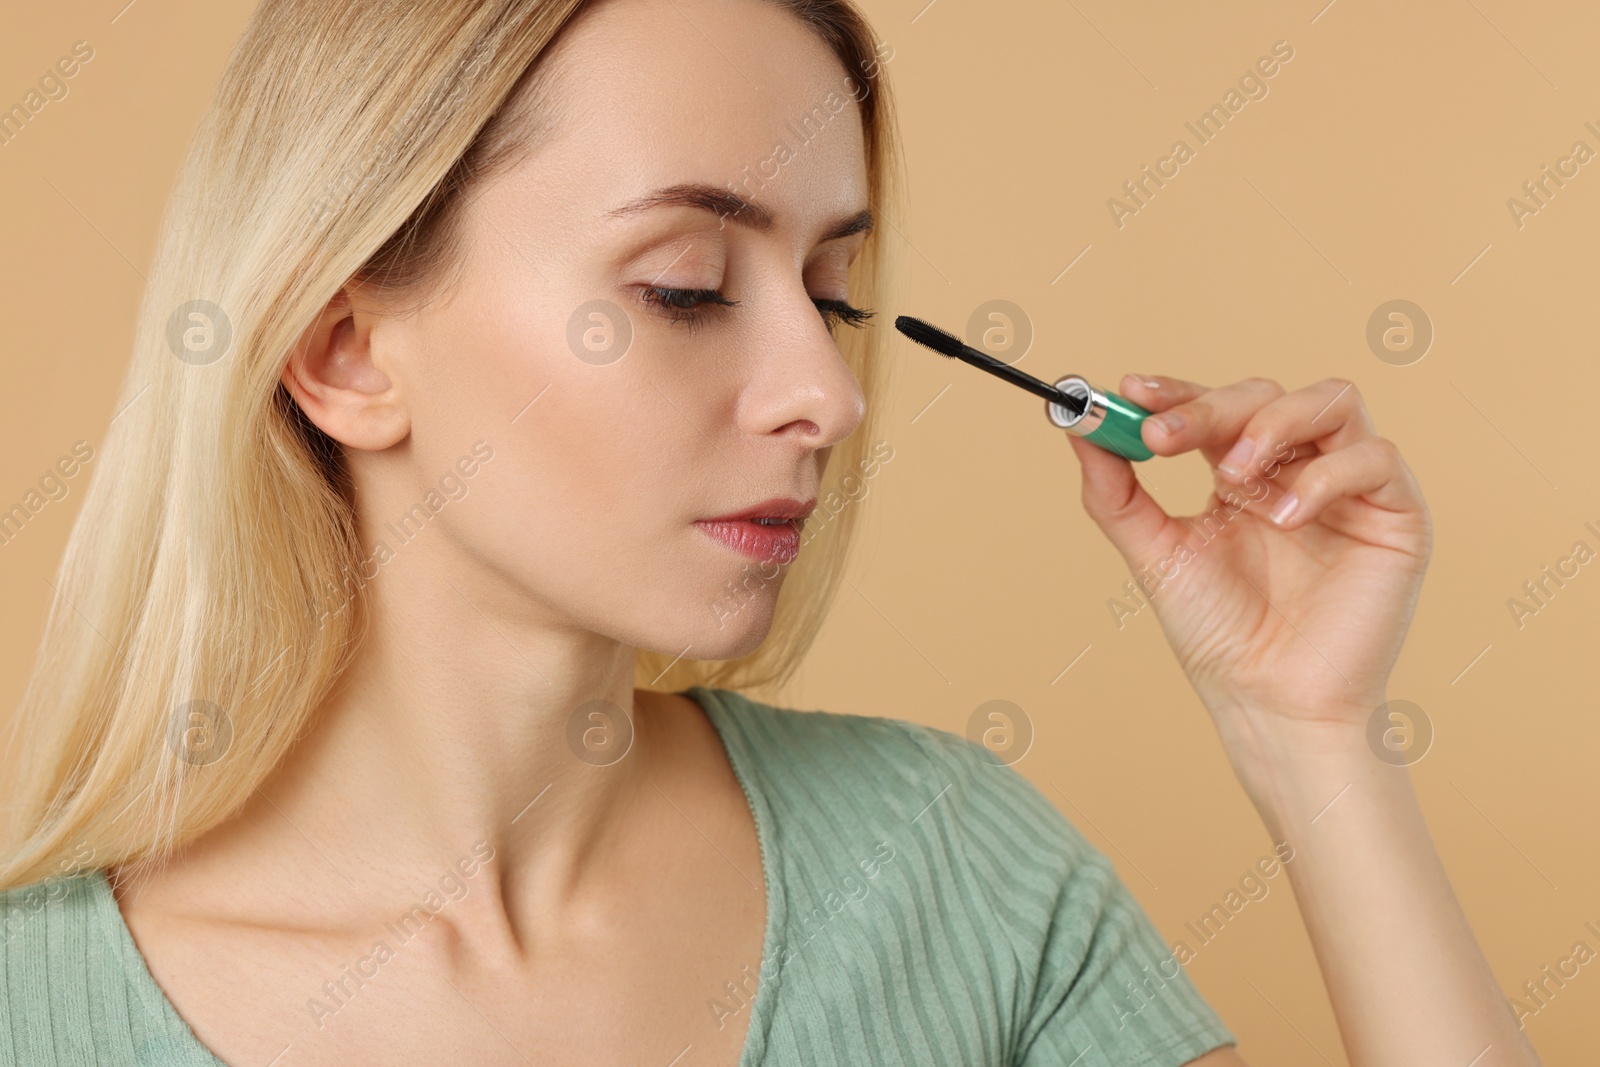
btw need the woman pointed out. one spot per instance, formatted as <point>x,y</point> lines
<point>494,355</point>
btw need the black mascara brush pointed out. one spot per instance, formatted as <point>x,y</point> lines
<point>1108,420</point>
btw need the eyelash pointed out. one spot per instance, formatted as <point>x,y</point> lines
<point>833,311</point>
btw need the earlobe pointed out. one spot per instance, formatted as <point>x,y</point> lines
<point>337,376</point>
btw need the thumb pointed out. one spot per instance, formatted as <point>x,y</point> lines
<point>1112,496</point>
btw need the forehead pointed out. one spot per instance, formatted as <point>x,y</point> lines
<point>739,94</point>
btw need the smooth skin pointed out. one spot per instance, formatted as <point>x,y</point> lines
<point>617,899</point>
<point>1288,625</point>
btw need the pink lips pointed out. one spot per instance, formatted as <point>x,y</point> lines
<point>777,540</point>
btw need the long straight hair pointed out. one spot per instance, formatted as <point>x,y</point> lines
<point>192,636</point>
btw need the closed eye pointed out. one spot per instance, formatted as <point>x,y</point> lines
<point>687,307</point>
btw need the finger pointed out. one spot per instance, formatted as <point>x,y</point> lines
<point>1112,496</point>
<point>1210,421</point>
<point>1157,393</point>
<point>1153,392</point>
<point>1329,415</point>
<point>1371,470</point>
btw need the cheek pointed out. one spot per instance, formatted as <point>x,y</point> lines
<point>593,470</point>
<point>590,500</point>
<point>598,473</point>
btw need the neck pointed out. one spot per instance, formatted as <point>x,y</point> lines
<point>465,727</point>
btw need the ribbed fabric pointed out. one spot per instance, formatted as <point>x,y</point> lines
<point>74,989</point>
<point>925,905</point>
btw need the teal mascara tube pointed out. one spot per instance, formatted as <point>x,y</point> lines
<point>1108,420</point>
<point>1103,418</point>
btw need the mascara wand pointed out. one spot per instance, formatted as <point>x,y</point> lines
<point>1105,419</point>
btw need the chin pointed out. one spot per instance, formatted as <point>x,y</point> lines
<point>733,640</point>
<point>721,633</point>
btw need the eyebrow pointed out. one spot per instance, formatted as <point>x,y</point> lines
<point>730,205</point>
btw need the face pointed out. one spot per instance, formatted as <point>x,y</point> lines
<point>641,362</point>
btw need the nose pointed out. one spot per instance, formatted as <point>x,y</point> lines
<point>802,386</point>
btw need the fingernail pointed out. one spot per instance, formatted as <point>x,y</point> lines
<point>1284,508</point>
<point>1237,457</point>
<point>1169,421</point>
<point>1148,383</point>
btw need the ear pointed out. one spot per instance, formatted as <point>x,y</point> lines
<point>338,374</point>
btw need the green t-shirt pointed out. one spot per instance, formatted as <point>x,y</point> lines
<point>925,905</point>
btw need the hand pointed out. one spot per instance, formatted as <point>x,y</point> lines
<point>1276,623</point>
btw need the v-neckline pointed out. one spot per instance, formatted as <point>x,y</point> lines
<point>137,969</point>
<point>733,743</point>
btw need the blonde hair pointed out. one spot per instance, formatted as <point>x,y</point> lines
<point>193,590</point>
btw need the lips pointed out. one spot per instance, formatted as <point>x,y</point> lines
<point>779,507</point>
<point>775,540</point>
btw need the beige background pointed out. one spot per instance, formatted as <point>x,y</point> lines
<point>1378,167</point>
